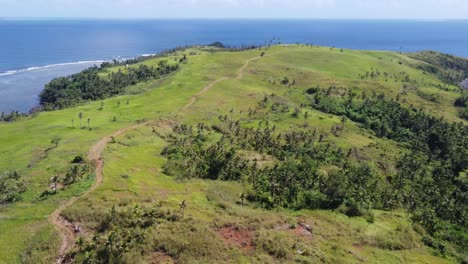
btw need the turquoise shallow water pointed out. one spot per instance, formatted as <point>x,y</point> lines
<point>68,46</point>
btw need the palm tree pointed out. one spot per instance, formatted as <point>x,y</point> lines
<point>80,115</point>
<point>242,197</point>
<point>182,207</point>
<point>343,122</point>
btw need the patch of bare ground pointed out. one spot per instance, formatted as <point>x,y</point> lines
<point>299,229</point>
<point>358,246</point>
<point>237,237</point>
<point>161,258</point>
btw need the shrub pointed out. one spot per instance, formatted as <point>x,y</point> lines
<point>11,187</point>
<point>78,159</point>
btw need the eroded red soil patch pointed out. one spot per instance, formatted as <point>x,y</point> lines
<point>300,229</point>
<point>357,246</point>
<point>303,229</point>
<point>161,258</point>
<point>235,237</point>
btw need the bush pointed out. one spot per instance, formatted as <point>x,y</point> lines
<point>311,200</point>
<point>464,113</point>
<point>217,44</point>
<point>11,187</point>
<point>78,159</point>
<point>45,194</point>
<point>462,101</point>
<point>313,90</point>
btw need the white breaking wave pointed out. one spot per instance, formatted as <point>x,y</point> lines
<point>11,72</point>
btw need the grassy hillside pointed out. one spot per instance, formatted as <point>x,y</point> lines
<point>215,226</point>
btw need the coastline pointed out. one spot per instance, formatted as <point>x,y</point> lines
<point>19,89</point>
<point>36,77</point>
<point>35,68</point>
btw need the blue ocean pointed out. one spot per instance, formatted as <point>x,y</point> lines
<point>32,52</point>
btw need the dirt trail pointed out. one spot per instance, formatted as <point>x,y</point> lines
<point>66,228</point>
<point>240,74</point>
<point>194,98</point>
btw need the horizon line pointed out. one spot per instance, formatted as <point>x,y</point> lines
<point>229,18</point>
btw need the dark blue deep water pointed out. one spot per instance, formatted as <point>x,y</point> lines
<point>26,46</point>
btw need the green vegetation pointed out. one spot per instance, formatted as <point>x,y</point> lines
<point>427,184</point>
<point>11,117</point>
<point>448,68</point>
<point>87,85</point>
<point>462,102</point>
<point>11,187</point>
<point>237,159</point>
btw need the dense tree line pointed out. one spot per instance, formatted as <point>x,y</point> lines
<point>448,68</point>
<point>388,118</point>
<point>431,182</point>
<point>312,172</point>
<point>297,181</point>
<point>225,47</point>
<point>11,117</point>
<point>88,85</point>
<point>160,54</point>
<point>462,103</point>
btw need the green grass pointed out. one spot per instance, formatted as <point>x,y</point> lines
<point>23,145</point>
<point>335,238</point>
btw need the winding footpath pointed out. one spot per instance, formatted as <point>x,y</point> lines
<point>65,228</point>
<point>240,74</point>
<point>62,225</point>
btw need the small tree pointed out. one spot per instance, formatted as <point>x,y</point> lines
<point>182,207</point>
<point>343,123</point>
<point>80,115</point>
<point>242,197</point>
<point>297,112</point>
<point>55,140</point>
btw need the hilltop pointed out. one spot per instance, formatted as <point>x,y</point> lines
<point>288,153</point>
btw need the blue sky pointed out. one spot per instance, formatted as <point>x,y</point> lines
<point>332,9</point>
